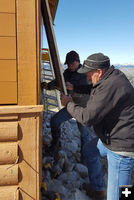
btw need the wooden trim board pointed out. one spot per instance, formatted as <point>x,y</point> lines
<point>52,45</point>
<point>21,109</point>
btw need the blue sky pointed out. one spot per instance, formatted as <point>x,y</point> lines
<point>90,26</point>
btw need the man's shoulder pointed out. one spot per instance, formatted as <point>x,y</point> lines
<point>66,71</point>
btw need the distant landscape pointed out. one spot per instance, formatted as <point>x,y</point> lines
<point>128,70</point>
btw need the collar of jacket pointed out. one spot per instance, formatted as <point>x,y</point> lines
<point>105,76</point>
<point>78,67</point>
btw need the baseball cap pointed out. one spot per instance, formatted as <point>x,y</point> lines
<point>71,57</point>
<point>95,61</point>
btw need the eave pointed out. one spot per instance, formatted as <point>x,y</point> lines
<point>53,7</point>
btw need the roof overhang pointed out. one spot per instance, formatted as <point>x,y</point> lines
<point>53,7</point>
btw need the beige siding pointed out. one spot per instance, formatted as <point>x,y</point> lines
<point>7,22</point>
<point>7,6</point>
<point>27,53</point>
<point>8,67</point>
<point>8,93</point>
<point>8,70</point>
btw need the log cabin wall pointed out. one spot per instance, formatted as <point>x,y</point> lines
<point>20,123</point>
<point>20,148</point>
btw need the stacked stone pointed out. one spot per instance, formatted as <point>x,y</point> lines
<point>64,173</point>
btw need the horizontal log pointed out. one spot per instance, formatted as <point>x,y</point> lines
<point>8,131</point>
<point>21,109</point>
<point>9,193</point>
<point>8,153</point>
<point>8,175</point>
<point>9,117</point>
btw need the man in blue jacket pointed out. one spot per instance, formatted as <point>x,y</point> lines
<point>110,109</point>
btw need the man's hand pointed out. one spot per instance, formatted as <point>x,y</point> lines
<point>65,99</point>
<point>57,88</point>
<point>44,85</point>
<point>69,86</point>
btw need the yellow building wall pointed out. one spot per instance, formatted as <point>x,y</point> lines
<point>28,51</point>
<point>8,67</point>
<point>20,51</point>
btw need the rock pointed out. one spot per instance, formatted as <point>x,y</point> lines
<point>46,175</point>
<point>69,176</point>
<point>62,154</point>
<point>79,195</point>
<point>56,171</point>
<point>47,139</point>
<point>48,159</point>
<point>81,169</point>
<point>77,156</point>
<point>68,166</point>
<point>71,147</point>
<point>57,186</point>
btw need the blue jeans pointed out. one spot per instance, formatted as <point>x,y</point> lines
<point>62,116</point>
<point>119,168</point>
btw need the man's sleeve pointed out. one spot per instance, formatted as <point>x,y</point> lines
<point>51,85</point>
<point>83,89</point>
<point>99,105</point>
